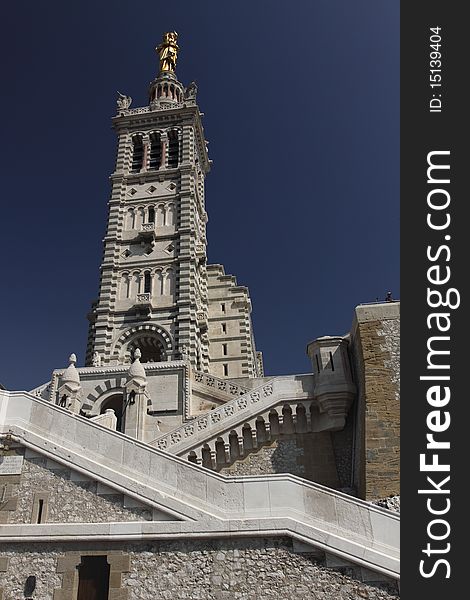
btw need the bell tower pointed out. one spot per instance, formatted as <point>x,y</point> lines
<point>153,284</point>
<point>156,291</point>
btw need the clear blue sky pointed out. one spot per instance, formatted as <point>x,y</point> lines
<point>301,104</point>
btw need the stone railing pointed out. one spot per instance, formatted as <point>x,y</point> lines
<point>147,232</point>
<point>222,385</point>
<point>42,391</point>
<point>189,433</point>
<point>107,419</point>
<point>158,105</point>
<point>144,298</point>
<point>136,111</point>
<point>282,405</point>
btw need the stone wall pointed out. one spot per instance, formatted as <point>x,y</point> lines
<point>308,455</point>
<point>248,569</point>
<point>376,357</point>
<point>343,452</point>
<point>66,496</point>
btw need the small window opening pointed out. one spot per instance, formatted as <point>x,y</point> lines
<point>155,158</point>
<point>222,307</point>
<point>224,327</point>
<point>151,214</point>
<point>331,362</point>
<point>40,510</point>
<point>224,349</point>
<point>318,363</point>
<point>173,149</point>
<point>225,370</point>
<point>137,154</point>
<point>147,283</point>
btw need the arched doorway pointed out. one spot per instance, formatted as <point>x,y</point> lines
<point>116,403</point>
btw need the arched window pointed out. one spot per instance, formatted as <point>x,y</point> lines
<point>159,277</point>
<point>130,219</point>
<point>170,214</point>
<point>139,217</point>
<point>160,215</point>
<point>147,283</point>
<point>125,286</point>
<point>155,151</point>
<point>173,149</point>
<point>135,284</point>
<point>137,153</point>
<point>169,283</point>
<point>151,214</point>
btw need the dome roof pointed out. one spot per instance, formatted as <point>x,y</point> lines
<point>70,375</point>
<point>136,369</point>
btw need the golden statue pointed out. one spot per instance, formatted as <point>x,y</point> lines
<point>168,51</point>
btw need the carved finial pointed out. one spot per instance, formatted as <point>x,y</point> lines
<point>168,51</point>
<point>70,379</point>
<point>136,371</point>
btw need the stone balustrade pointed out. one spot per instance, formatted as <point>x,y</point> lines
<point>219,384</point>
<point>147,233</point>
<point>281,405</point>
<point>294,416</point>
<point>144,298</point>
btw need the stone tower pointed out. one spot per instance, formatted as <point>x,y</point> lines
<point>156,290</point>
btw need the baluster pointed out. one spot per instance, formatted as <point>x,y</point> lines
<point>241,446</point>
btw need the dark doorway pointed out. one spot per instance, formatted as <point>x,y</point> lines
<point>93,578</point>
<point>115,402</point>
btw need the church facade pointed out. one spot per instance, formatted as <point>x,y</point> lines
<point>171,465</point>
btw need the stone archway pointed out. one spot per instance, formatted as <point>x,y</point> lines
<point>153,341</point>
<point>116,402</point>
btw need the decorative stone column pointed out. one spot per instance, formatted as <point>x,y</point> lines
<point>69,393</point>
<point>145,153</point>
<point>164,143</point>
<point>136,400</point>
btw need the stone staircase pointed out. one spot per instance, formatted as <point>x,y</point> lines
<point>203,503</point>
<point>282,405</point>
